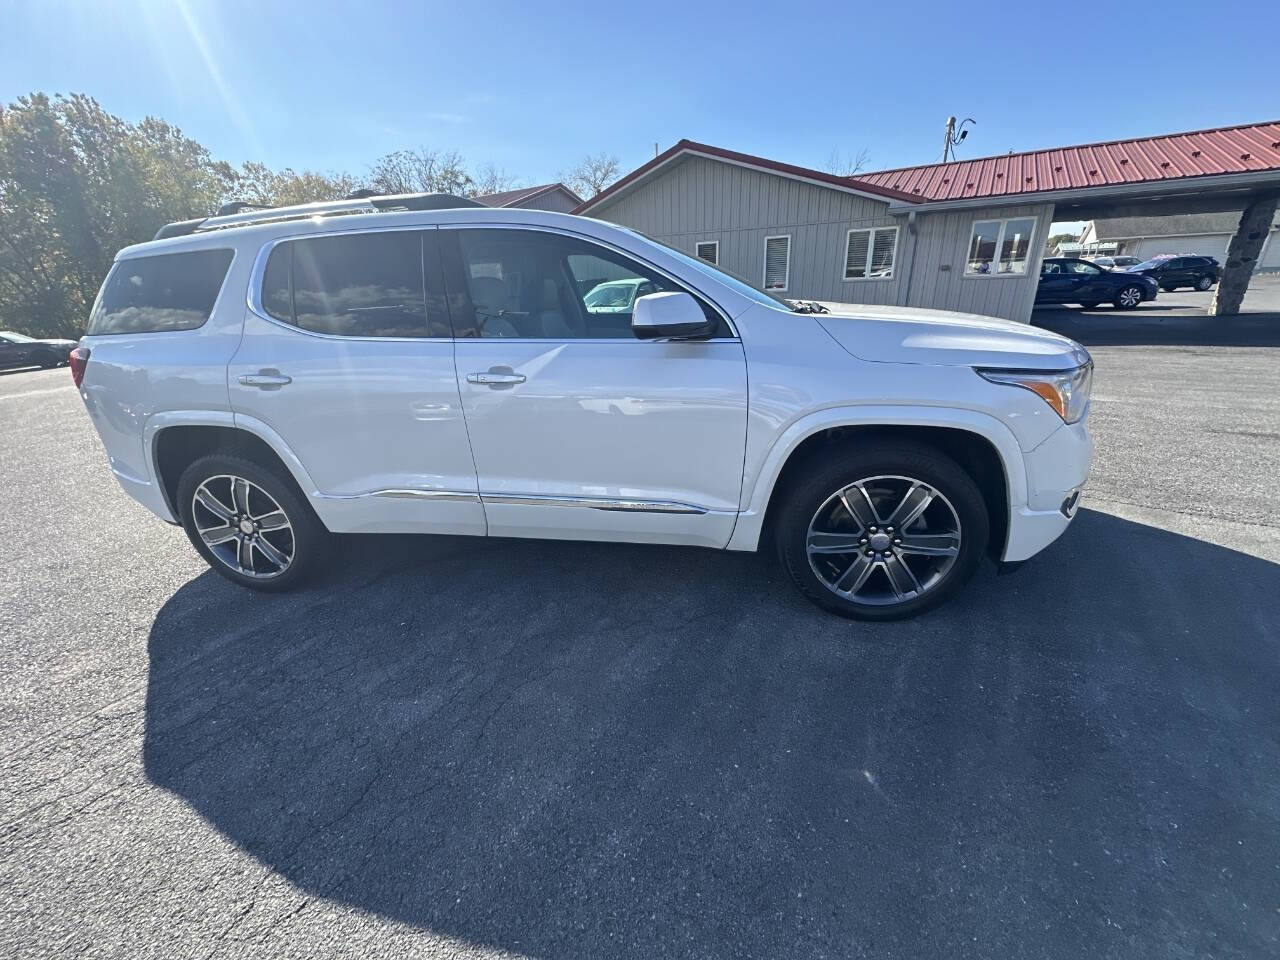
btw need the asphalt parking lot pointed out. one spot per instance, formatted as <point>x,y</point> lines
<point>457,748</point>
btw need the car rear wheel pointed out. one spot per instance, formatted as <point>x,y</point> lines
<point>1128,297</point>
<point>1204,283</point>
<point>48,360</point>
<point>883,531</point>
<point>250,524</point>
<point>1167,289</point>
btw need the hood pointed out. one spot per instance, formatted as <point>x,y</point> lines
<point>911,335</point>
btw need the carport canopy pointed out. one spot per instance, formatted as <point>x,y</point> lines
<point>1226,169</point>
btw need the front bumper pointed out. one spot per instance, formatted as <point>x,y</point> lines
<point>1056,473</point>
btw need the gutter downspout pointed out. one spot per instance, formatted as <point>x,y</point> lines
<point>904,291</point>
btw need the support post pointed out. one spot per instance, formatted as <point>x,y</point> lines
<point>1242,256</point>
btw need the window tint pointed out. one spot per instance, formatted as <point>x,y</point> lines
<point>356,285</point>
<point>1079,266</point>
<point>1049,267</point>
<point>173,291</point>
<point>536,285</point>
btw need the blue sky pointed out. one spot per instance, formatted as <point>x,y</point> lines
<point>532,87</point>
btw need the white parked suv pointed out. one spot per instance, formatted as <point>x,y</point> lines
<point>420,365</point>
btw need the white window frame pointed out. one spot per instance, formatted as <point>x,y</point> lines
<point>871,240</point>
<point>712,243</point>
<point>764,273</point>
<point>1003,221</point>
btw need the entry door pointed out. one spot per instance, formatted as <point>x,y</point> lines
<point>578,429</point>
<point>347,355</point>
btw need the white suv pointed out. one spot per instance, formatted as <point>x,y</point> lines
<point>415,364</point>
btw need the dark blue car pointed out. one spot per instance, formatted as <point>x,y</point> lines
<point>1068,280</point>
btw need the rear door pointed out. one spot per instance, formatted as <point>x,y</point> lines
<point>579,429</point>
<point>347,355</point>
<point>1089,282</point>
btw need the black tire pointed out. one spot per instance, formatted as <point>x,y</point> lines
<point>1204,283</point>
<point>305,540</point>
<point>1128,297</point>
<point>48,361</point>
<point>880,462</point>
<point>1090,304</point>
<point>1168,289</point>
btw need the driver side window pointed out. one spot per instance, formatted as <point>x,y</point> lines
<point>536,285</point>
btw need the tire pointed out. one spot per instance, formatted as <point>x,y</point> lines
<point>1204,283</point>
<point>813,513</point>
<point>301,540</point>
<point>1128,297</point>
<point>1168,289</point>
<point>1090,304</point>
<point>47,361</point>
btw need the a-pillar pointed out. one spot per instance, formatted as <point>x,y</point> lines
<point>1242,256</point>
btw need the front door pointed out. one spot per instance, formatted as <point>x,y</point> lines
<point>578,429</point>
<point>347,356</point>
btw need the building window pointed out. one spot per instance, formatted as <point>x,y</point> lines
<point>869,254</point>
<point>709,250</point>
<point>1000,248</point>
<point>777,262</point>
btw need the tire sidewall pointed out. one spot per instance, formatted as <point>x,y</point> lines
<point>921,463</point>
<point>1204,283</point>
<point>308,534</point>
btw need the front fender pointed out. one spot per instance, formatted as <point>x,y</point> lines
<point>758,488</point>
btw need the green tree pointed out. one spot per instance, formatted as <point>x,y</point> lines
<point>76,185</point>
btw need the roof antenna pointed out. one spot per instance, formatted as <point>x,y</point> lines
<point>954,136</point>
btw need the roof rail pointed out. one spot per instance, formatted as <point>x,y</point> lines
<point>240,214</point>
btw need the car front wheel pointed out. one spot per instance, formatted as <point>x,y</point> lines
<point>249,523</point>
<point>1128,297</point>
<point>883,531</point>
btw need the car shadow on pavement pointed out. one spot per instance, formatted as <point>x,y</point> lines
<point>589,750</point>
<point>1147,326</point>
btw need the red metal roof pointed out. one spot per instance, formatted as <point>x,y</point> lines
<point>1240,149</point>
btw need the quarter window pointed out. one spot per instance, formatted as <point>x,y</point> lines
<point>173,291</point>
<point>869,254</point>
<point>1000,247</point>
<point>353,285</point>
<point>709,250</point>
<point>535,285</point>
<point>777,262</point>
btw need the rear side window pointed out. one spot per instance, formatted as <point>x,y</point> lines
<point>355,285</point>
<point>173,291</point>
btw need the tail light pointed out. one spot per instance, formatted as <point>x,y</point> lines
<point>79,360</point>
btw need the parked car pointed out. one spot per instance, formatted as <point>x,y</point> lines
<point>18,350</point>
<point>438,371</point>
<point>1184,271</point>
<point>1115,263</point>
<point>616,296</point>
<point>1070,280</point>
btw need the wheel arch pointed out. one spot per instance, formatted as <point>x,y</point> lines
<point>982,445</point>
<point>174,441</point>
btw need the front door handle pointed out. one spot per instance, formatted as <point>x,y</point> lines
<point>267,379</point>
<point>496,378</point>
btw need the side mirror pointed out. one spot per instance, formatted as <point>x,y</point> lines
<point>669,316</point>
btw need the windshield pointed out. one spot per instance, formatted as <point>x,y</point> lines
<point>724,276</point>
<point>1150,264</point>
<point>16,337</point>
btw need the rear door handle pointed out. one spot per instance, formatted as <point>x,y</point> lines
<point>495,379</point>
<point>265,379</point>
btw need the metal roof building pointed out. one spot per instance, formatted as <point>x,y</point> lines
<point>965,235</point>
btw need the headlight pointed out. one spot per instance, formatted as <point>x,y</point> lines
<point>1067,391</point>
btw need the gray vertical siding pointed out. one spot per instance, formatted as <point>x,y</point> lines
<point>699,199</point>
<point>942,241</point>
<point>557,201</point>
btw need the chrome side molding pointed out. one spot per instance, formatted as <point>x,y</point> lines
<point>621,505</point>
<point>596,503</point>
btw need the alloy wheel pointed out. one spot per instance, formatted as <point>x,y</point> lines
<point>243,526</point>
<point>1130,297</point>
<point>883,540</point>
